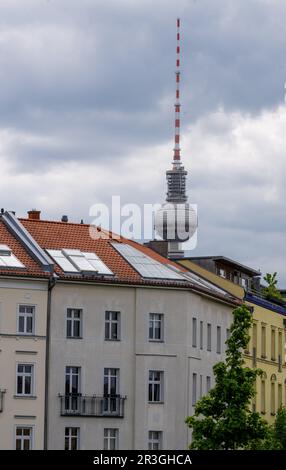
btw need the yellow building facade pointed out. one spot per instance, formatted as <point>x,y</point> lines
<point>266,349</point>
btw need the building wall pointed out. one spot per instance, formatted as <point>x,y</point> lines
<point>275,380</point>
<point>268,362</point>
<point>15,348</point>
<point>134,355</point>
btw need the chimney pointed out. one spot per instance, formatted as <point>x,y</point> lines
<point>65,218</point>
<point>34,214</point>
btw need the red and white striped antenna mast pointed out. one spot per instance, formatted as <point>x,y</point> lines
<point>177,150</point>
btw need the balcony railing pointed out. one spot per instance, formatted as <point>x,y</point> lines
<point>2,399</point>
<point>83,405</point>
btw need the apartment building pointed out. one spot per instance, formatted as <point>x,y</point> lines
<point>266,349</point>
<point>23,315</point>
<point>132,341</point>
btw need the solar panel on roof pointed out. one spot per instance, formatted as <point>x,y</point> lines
<point>145,265</point>
<point>8,259</point>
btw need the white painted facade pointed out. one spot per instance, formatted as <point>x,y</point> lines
<point>134,355</point>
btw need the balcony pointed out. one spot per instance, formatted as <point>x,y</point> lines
<point>92,406</point>
<point>2,400</point>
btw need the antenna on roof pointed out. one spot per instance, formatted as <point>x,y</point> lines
<point>177,150</point>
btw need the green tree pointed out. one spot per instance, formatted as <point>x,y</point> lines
<point>223,418</point>
<point>278,430</point>
<point>271,292</point>
<point>275,439</point>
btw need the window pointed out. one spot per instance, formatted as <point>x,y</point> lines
<point>273,344</point>
<point>25,379</point>
<point>209,337</point>
<point>208,383</point>
<point>112,326</point>
<point>24,438</point>
<point>155,393</point>
<point>244,282</point>
<point>263,398</point>
<point>254,336</point>
<point>272,398</point>
<point>72,438</point>
<point>110,441</point>
<point>194,332</point>
<point>8,259</point>
<point>155,440</point>
<point>201,386</point>
<point>279,395</point>
<point>26,319</point>
<point>194,388</point>
<point>218,340</point>
<point>156,327</point>
<point>111,390</point>
<point>75,261</point>
<point>201,335</point>
<point>221,272</point>
<point>74,320</point>
<point>111,382</point>
<point>72,388</point>
<point>263,341</point>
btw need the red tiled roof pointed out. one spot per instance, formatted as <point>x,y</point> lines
<point>32,269</point>
<point>59,235</point>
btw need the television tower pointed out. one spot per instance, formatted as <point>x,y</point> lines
<point>176,221</point>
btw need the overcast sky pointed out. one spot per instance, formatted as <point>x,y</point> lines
<point>86,112</point>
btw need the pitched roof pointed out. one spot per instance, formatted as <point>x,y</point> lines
<point>64,235</point>
<point>32,269</point>
<point>56,235</point>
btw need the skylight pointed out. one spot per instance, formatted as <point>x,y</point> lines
<point>8,259</point>
<point>145,265</point>
<point>76,261</point>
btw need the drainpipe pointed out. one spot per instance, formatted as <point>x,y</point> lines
<point>52,283</point>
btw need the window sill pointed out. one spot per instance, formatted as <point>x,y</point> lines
<point>25,397</point>
<point>74,337</point>
<point>112,339</point>
<point>156,402</point>
<point>156,341</point>
<point>25,334</point>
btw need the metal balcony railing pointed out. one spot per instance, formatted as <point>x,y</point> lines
<point>98,406</point>
<point>2,400</point>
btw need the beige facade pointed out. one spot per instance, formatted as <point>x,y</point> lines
<point>22,401</point>
<point>267,347</point>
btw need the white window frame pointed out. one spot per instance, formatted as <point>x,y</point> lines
<point>33,306</point>
<point>154,321</point>
<point>152,383</point>
<point>73,320</point>
<point>155,443</point>
<point>24,426</point>
<point>70,437</point>
<point>33,381</point>
<point>107,438</point>
<point>110,322</point>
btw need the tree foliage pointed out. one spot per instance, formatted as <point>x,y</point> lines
<point>223,418</point>
<point>271,292</point>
